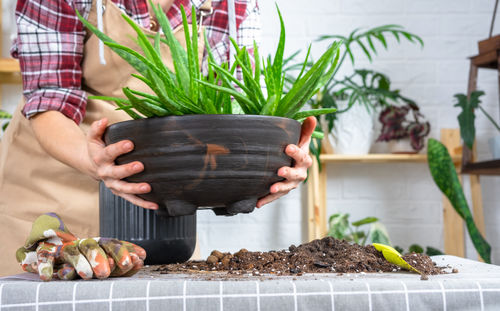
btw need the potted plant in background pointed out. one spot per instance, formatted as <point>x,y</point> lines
<point>467,117</point>
<point>340,228</point>
<point>195,151</point>
<point>358,95</point>
<point>403,134</point>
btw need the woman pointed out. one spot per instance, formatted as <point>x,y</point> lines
<point>52,155</point>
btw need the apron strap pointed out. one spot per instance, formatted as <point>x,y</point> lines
<point>206,6</point>
<point>100,12</point>
<point>231,15</point>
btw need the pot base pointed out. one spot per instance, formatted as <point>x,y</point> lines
<point>165,239</point>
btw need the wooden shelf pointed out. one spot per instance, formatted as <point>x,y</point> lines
<point>9,71</point>
<point>378,158</point>
<point>9,65</point>
<point>486,60</point>
<point>491,167</point>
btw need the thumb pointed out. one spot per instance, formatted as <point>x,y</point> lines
<point>306,131</point>
<point>97,129</point>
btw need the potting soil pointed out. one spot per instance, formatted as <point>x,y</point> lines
<point>327,255</point>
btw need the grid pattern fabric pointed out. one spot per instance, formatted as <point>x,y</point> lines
<point>472,289</point>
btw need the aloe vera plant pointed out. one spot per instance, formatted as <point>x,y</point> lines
<point>187,91</point>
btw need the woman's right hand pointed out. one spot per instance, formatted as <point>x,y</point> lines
<point>102,160</point>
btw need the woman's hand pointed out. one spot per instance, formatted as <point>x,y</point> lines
<point>102,159</point>
<point>298,173</point>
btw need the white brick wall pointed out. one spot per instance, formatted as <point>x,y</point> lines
<point>403,196</point>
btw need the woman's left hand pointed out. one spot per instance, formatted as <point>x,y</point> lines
<point>298,173</point>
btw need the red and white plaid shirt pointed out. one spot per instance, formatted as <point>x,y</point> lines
<point>49,45</point>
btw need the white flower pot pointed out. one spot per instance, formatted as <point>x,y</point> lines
<point>401,146</point>
<point>353,132</point>
<point>494,143</point>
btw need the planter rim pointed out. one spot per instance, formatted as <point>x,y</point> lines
<point>209,116</point>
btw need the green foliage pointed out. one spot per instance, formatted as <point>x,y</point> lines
<point>340,228</point>
<point>378,234</point>
<point>431,251</point>
<point>445,176</point>
<point>187,91</point>
<point>276,102</point>
<point>6,116</point>
<point>366,87</point>
<point>467,117</point>
<point>415,248</point>
<point>374,86</point>
<point>370,37</point>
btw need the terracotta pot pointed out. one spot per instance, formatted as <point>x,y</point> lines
<point>223,162</point>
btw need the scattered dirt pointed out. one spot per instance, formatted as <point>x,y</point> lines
<point>327,255</point>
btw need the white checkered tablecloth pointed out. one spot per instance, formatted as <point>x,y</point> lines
<point>475,287</point>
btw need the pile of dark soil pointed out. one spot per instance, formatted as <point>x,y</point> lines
<point>327,255</point>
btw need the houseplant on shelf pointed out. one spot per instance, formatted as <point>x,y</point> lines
<point>208,156</point>
<point>406,135</point>
<point>467,118</point>
<point>360,93</point>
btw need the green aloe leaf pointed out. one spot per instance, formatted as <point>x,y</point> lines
<point>445,176</point>
<point>318,135</point>
<point>313,112</point>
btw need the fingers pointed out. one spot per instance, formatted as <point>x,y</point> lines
<point>299,155</point>
<point>96,257</point>
<point>71,254</point>
<point>306,131</point>
<point>137,201</point>
<point>65,272</point>
<point>97,129</point>
<point>137,254</point>
<point>109,153</point>
<point>133,248</point>
<point>268,199</point>
<point>45,253</point>
<point>293,175</point>
<point>121,256</point>
<point>27,259</point>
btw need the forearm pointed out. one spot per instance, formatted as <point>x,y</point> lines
<point>61,138</point>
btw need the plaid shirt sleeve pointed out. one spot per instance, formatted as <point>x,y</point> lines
<point>50,39</point>
<point>49,47</point>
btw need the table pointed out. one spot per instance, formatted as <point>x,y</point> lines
<point>475,287</point>
<point>453,226</point>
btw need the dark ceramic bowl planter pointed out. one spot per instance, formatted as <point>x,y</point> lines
<point>224,162</point>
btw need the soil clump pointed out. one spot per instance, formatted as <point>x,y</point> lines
<point>327,255</point>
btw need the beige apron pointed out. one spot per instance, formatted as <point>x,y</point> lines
<point>31,181</point>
